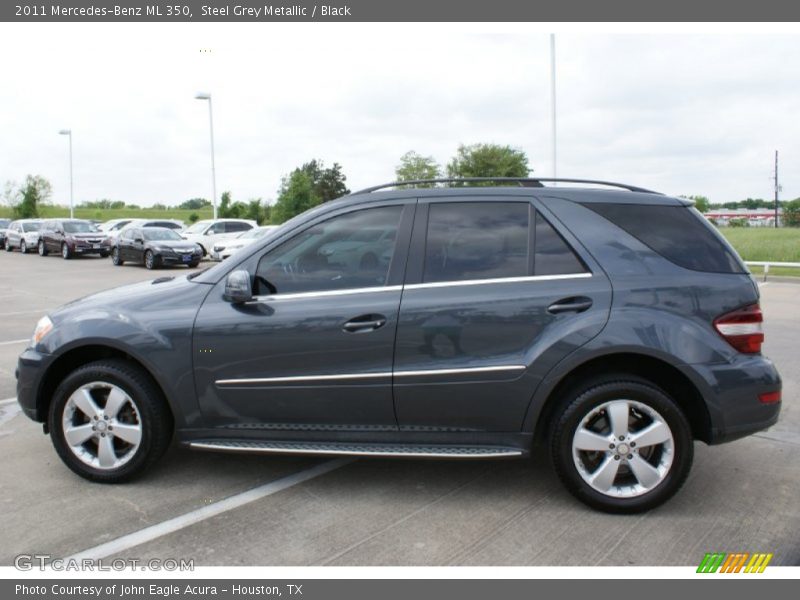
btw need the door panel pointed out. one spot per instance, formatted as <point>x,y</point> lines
<point>315,349</point>
<point>470,353</point>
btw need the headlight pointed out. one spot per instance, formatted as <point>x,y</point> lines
<point>43,327</point>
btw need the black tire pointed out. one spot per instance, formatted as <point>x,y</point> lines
<point>115,259</point>
<point>150,260</point>
<point>8,247</point>
<point>580,403</point>
<point>104,255</point>
<point>65,253</point>
<point>23,247</point>
<point>153,417</point>
<point>203,248</point>
<point>193,264</point>
<point>42,248</point>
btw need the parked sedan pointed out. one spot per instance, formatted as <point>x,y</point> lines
<point>4,223</point>
<point>70,237</point>
<point>23,234</point>
<point>224,248</point>
<point>209,232</point>
<point>155,247</point>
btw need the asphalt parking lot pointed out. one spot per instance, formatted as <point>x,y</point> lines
<point>743,496</point>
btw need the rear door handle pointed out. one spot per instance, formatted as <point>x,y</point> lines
<point>364,323</point>
<point>575,304</point>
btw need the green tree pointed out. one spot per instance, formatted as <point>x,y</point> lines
<point>295,196</point>
<point>194,204</point>
<point>414,166</point>
<point>30,196</point>
<point>701,203</point>
<point>194,217</point>
<point>328,183</point>
<point>257,211</point>
<point>488,160</point>
<point>791,213</point>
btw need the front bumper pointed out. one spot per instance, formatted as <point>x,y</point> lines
<point>732,396</point>
<point>31,366</point>
<point>183,258</point>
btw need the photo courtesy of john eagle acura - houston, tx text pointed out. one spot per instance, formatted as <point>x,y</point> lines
<point>448,319</point>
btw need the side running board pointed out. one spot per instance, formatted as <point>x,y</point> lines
<point>345,449</point>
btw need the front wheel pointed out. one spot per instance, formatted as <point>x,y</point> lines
<point>109,422</point>
<point>115,258</point>
<point>621,445</point>
<point>150,261</point>
<point>65,253</point>
<point>23,247</point>
<point>42,248</point>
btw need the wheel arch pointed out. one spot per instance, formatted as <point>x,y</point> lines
<point>660,372</point>
<point>82,355</point>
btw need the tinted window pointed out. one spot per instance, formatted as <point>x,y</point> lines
<point>159,233</point>
<point>553,256</point>
<point>233,227</point>
<point>476,240</point>
<point>678,233</point>
<point>79,227</point>
<point>325,257</point>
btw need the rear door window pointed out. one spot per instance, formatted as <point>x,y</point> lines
<point>476,240</point>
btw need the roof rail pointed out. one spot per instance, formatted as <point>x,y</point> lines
<point>521,181</point>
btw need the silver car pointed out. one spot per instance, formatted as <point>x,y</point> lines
<point>23,234</point>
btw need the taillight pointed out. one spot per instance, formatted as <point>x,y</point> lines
<point>742,328</point>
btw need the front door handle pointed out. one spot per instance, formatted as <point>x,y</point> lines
<point>575,304</point>
<point>364,323</point>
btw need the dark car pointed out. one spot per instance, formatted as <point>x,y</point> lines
<point>71,237</point>
<point>154,247</point>
<point>615,326</point>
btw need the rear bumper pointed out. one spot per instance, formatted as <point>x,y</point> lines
<point>732,393</point>
<point>31,365</point>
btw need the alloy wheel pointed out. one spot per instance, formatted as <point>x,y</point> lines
<point>102,425</point>
<point>623,448</point>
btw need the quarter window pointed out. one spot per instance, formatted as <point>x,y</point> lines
<point>349,251</point>
<point>553,256</point>
<point>476,240</point>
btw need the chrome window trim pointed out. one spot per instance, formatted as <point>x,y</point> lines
<point>345,376</point>
<point>417,286</point>
<point>327,293</point>
<point>438,284</point>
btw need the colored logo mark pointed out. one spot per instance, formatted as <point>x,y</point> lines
<point>735,562</point>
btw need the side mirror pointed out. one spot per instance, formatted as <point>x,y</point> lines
<point>238,287</point>
<point>139,240</point>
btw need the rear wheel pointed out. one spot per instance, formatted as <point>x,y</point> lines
<point>621,445</point>
<point>23,247</point>
<point>65,253</point>
<point>109,422</point>
<point>42,248</point>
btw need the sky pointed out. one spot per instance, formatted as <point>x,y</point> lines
<point>679,113</point>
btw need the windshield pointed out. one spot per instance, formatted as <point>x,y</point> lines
<point>79,227</point>
<point>197,227</point>
<point>26,227</point>
<point>159,233</point>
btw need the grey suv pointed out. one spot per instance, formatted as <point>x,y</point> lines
<point>616,326</point>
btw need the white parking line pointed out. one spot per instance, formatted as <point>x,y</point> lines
<point>8,343</point>
<point>201,514</point>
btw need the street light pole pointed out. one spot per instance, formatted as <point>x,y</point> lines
<point>553,97</point>
<point>207,96</point>
<point>68,132</point>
